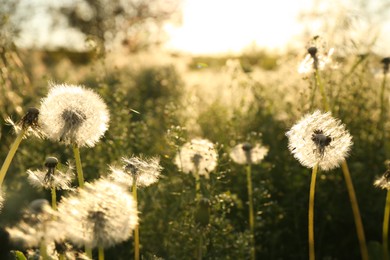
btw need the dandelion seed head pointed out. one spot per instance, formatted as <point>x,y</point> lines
<point>36,225</point>
<point>198,155</point>
<point>1,200</point>
<point>29,122</point>
<point>383,182</point>
<point>101,214</point>
<point>246,153</point>
<point>319,138</point>
<point>144,171</point>
<point>73,115</point>
<point>52,177</point>
<point>386,63</point>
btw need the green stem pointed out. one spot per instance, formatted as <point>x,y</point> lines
<point>355,210</point>
<point>88,252</point>
<point>311,212</point>
<point>325,102</point>
<point>61,257</point>
<point>382,118</point>
<point>10,155</point>
<point>100,253</point>
<point>251,211</point>
<point>136,230</point>
<point>200,247</point>
<point>385,230</point>
<point>197,187</point>
<point>43,250</point>
<point>313,94</point>
<point>53,198</point>
<point>79,169</point>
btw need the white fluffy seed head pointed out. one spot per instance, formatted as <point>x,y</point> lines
<point>383,182</point>
<point>144,171</point>
<point>73,115</point>
<point>60,179</point>
<point>245,153</point>
<point>101,214</point>
<point>319,138</point>
<point>198,155</point>
<point>1,199</point>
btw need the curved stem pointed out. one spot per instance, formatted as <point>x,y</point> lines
<point>11,155</point>
<point>100,253</point>
<point>311,212</point>
<point>385,230</point>
<point>355,210</point>
<point>251,211</point>
<point>136,230</point>
<point>79,169</point>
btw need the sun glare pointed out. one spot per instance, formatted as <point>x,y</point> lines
<point>221,26</point>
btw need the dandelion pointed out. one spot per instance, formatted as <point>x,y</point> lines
<point>100,215</point>
<point>52,178</point>
<point>246,153</point>
<point>36,227</point>
<point>142,171</point>
<point>28,123</point>
<point>319,139</point>
<point>197,157</point>
<point>386,63</point>
<point>73,115</point>
<point>1,199</point>
<point>76,116</point>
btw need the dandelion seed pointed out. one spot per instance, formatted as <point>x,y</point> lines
<point>35,226</point>
<point>100,215</point>
<point>319,138</point>
<point>383,182</point>
<point>145,171</point>
<point>245,153</point>
<point>73,115</point>
<point>198,155</point>
<point>52,177</point>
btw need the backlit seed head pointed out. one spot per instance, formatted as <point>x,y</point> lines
<point>197,156</point>
<point>319,138</point>
<point>143,171</point>
<point>101,214</point>
<point>246,153</point>
<point>383,182</point>
<point>73,115</point>
<point>29,122</point>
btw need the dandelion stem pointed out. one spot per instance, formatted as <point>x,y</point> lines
<point>88,252</point>
<point>53,198</point>
<point>382,119</point>
<point>251,211</point>
<point>200,246</point>
<point>311,211</point>
<point>385,230</point>
<point>313,94</point>
<point>136,229</point>
<point>197,186</point>
<point>100,253</point>
<point>79,169</point>
<point>11,154</point>
<point>325,102</point>
<point>355,209</point>
<point>43,250</point>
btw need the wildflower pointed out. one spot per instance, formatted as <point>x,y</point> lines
<point>317,58</point>
<point>29,123</point>
<point>245,153</point>
<point>52,177</point>
<point>101,214</point>
<point>73,115</point>
<point>144,171</point>
<point>197,156</point>
<point>35,225</point>
<point>319,138</point>
<point>383,181</point>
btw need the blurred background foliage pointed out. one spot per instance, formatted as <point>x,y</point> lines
<point>158,101</point>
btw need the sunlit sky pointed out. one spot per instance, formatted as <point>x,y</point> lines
<point>215,26</point>
<point>221,26</point>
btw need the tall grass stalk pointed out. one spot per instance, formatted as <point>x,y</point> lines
<point>311,212</point>
<point>348,182</point>
<point>251,211</point>
<point>11,155</point>
<point>136,230</point>
<point>100,253</point>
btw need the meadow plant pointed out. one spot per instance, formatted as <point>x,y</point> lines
<point>318,141</point>
<point>52,178</point>
<point>247,154</point>
<point>100,215</point>
<point>137,172</point>
<point>28,124</point>
<point>75,116</point>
